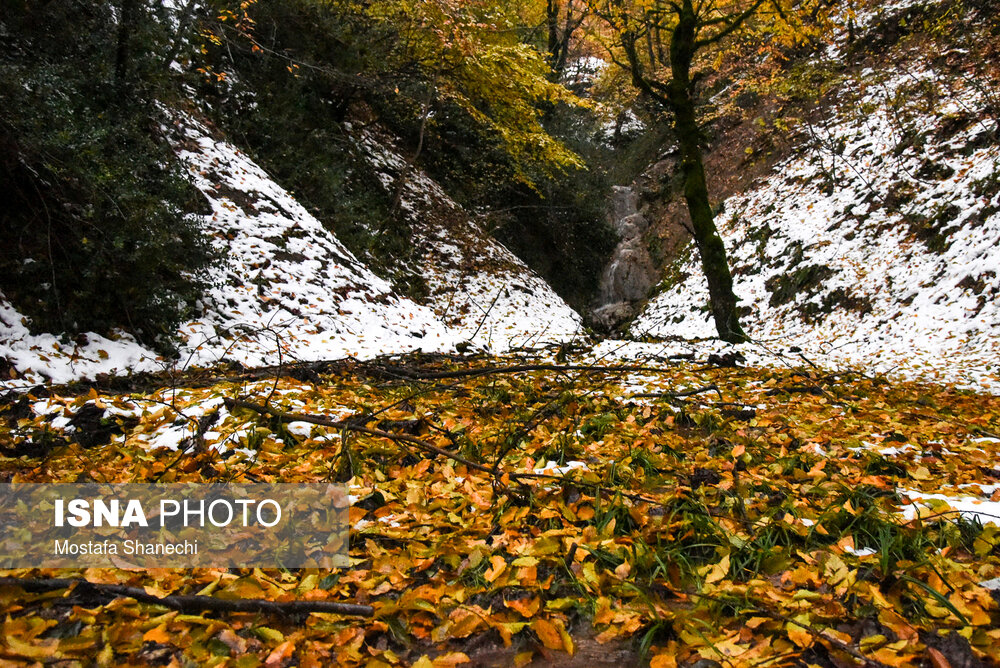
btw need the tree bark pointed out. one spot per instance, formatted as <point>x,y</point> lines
<point>129,15</point>
<point>559,37</point>
<point>677,97</point>
<point>714,262</point>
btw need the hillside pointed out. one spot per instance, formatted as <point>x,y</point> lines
<point>479,289</point>
<point>875,244</point>
<point>288,291</point>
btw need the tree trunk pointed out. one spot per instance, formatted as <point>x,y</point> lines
<point>129,16</point>
<point>714,263</point>
<point>183,23</point>
<point>710,247</point>
<point>552,8</point>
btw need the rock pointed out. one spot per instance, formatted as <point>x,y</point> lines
<point>610,317</point>
<point>629,275</point>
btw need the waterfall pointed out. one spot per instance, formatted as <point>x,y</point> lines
<point>631,271</point>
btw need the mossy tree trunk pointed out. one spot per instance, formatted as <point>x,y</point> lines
<point>714,262</point>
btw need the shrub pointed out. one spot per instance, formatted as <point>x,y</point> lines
<point>94,233</point>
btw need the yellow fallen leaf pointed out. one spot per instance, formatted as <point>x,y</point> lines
<point>450,659</point>
<point>47,650</point>
<point>718,571</point>
<point>566,638</point>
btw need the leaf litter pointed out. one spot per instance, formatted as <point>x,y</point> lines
<point>786,517</point>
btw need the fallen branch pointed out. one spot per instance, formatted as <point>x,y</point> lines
<point>679,395</point>
<point>809,628</point>
<point>360,429</point>
<point>187,603</point>
<point>421,444</point>
<point>403,372</point>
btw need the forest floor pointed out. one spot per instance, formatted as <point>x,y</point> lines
<point>544,511</point>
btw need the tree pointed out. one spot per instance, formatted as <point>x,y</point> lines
<point>94,231</point>
<point>561,21</point>
<point>421,58</point>
<point>660,41</point>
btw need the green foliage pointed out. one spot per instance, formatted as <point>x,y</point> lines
<point>94,231</point>
<point>410,59</point>
<point>293,124</point>
<point>559,228</point>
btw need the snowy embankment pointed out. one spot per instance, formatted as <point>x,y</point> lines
<point>482,291</point>
<point>287,289</point>
<point>876,246</point>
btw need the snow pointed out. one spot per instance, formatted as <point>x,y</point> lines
<point>288,290</point>
<point>553,468</point>
<point>289,282</point>
<point>919,308</point>
<point>863,552</point>
<point>483,292</point>
<point>970,507</point>
<point>299,428</point>
<point>45,357</point>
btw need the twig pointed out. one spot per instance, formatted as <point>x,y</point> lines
<point>683,393</point>
<point>520,368</point>
<point>813,631</point>
<point>421,444</point>
<point>486,315</point>
<point>188,603</point>
<point>350,426</point>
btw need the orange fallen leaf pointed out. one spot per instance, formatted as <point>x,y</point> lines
<point>280,653</point>
<point>497,566</point>
<point>938,660</point>
<point>450,659</point>
<point>547,633</point>
<point>158,634</point>
<point>528,607</point>
<point>668,660</point>
<point>799,635</point>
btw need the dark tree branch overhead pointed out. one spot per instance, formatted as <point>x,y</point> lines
<point>732,22</point>
<point>561,29</point>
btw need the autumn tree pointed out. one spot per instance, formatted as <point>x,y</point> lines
<point>562,20</point>
<point>659,42</point>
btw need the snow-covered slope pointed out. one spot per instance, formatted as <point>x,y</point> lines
<point>476,286</point>
<point>877,244</point>
<point>289,290</point>
<point>287,287</point>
